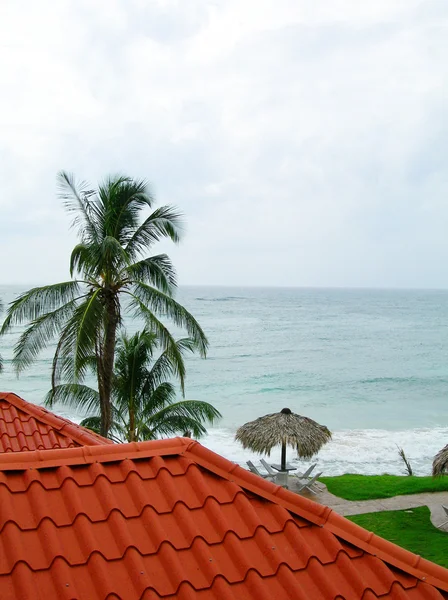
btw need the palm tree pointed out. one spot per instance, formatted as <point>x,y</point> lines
<point>144,403</point>
<point>105,268</point>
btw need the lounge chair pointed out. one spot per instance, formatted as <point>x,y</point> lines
<point>253,469</point>
<point>306,484</point>
<point>445,508</point>
<point>268,468</point>
<point>307,473</point>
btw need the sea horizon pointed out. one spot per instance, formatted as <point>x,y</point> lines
<point>28,285</point>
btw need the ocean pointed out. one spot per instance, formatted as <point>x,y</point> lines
<point>371,365</point>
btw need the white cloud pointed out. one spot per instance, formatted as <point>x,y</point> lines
<point>305,141</point>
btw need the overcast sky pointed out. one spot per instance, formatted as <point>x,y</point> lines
<point>306,141</point>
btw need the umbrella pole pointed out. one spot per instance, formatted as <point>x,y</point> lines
<point>283,465</point>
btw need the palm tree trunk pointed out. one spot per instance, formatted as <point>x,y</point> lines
<point>131,435</point>
<point>105,414</point>
<point>107,363</point>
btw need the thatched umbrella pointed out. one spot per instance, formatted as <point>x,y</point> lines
<point>440,464</point>
<point>285,428</point>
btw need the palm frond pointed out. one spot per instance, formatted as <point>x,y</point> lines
<point>113,258</point>
<point>80,397</point>
<point>178,417</point>
<point>195,409</point>
<point>117,432</point>
<point>89,317</point>
<point>167,341</point>
<point>164,222</point>
<point>101,262</point>
<point>132,357</point>
<point>78,199</point>
<point>63,359</point>
<point>162,304</point>
<point>157,270</point>
<point>93,423</point>
<point>41,331</point>
<point>137,348</point>
<point>169,364</point>
<point>169,426</point>
<point>154,399</point>
<point>63,365</point>
<point>35,302</point>
<point>78,340</point>
<point>122,199</point>
<point>80,259</point>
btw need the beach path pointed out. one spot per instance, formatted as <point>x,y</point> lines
<point>433,500</point>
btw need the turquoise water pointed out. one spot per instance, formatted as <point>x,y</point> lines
<point>372,365</point>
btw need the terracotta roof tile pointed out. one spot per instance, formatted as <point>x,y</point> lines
<point>25,426</point>
<point>171,519</point>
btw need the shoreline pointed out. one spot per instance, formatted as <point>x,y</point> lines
<point>362,451</point>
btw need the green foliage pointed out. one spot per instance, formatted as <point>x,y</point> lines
<point>367,487</point>
<point>144,400</point>
<point>411,529</point>
<point>85,314</point>
<point>404,458</point>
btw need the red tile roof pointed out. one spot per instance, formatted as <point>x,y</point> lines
<point>171,519</point>
<point>26,426</point>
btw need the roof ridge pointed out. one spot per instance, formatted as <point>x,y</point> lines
<point>18,461</point>
<point>64,426</point>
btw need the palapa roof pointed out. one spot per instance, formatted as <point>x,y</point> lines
<point>25,426</point>
<point>171,519</point>
<point>440,464</point>
<point>302,433</point>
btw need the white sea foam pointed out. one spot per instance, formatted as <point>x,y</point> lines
<point>365,451</point>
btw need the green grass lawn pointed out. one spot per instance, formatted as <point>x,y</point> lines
<point>367,487</point>
<point>411,529</point>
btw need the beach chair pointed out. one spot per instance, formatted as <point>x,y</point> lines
<point>307,473</point>
<point>445,508</point>
<point>268,468</point>
<point>306,484</point>
<point>253,469</point>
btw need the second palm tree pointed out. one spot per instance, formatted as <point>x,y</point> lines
<point>144,398</point>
